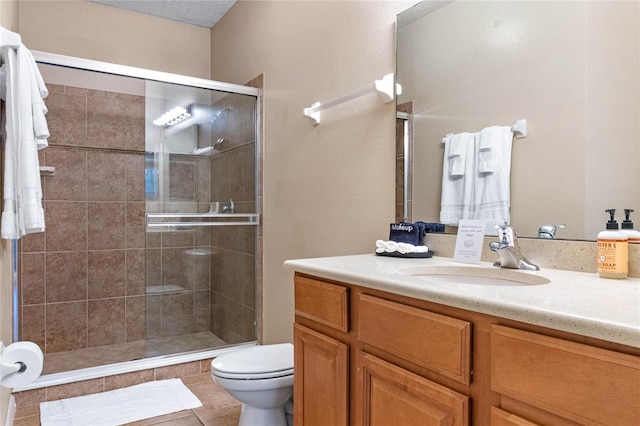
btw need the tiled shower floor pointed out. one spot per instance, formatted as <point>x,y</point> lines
<point>103,355</point>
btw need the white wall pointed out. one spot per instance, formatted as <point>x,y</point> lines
<point>329,189</point>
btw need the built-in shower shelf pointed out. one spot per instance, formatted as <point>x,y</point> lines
<point>162,289</point>
<point>181,220</point>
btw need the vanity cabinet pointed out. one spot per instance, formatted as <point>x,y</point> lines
<point>360,359</point>
<point>578,382</point>
<point>321,358</point>
<point>370,357</point>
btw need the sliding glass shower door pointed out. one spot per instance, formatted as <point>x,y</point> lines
<point>201,217</point>
<point>151,240</point>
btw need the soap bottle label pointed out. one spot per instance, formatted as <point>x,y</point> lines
<point>613,256</point>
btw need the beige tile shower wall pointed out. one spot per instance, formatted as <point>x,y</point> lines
<point>82,281</point>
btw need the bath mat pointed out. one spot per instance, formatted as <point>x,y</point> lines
<point>120,406</point>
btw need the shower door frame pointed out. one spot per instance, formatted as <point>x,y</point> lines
<point>166,360</point>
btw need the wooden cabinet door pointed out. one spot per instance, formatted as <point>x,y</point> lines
<point>389,395</point>
<point>321,379</point>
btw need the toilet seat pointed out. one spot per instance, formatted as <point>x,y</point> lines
<point>259,362</point>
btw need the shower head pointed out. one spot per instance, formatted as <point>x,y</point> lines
<point>219,113</point>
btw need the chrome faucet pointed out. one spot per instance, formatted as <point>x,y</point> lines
<point>509,250</point>
<point>228,208</point>
<point>549,231</point>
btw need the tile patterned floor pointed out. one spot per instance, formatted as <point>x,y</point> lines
<point>218,408</point>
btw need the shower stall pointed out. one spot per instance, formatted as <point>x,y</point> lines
<point>150,186</point>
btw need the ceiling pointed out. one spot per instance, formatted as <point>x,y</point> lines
<point>203,13</point>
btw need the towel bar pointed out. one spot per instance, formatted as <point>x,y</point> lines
<point>519,130</point>
<point>215,219</point>
<point>385,87</point>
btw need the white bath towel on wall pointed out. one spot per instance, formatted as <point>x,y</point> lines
<point>457,188</point>
<point>492,189</point>
<point>26,133</point>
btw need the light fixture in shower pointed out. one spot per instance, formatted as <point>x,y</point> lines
<point>173,116</point>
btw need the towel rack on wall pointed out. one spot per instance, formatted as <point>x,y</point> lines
<point>385,87</point>
<point>9,39</point>
<point>214,219</point>
<point>519,130</point>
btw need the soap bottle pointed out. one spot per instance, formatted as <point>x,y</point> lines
<point>627,227</point>
<point>613,250</point>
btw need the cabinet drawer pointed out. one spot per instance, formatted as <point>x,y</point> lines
<point>503,418</point>
<point>582,383</point>
<point>322,302</point>
<point>434,341</point>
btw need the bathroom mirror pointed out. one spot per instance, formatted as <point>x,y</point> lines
<point>571,69</point>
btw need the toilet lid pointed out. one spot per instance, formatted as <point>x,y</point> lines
<point>259,362</point>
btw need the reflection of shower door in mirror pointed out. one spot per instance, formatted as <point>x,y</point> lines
<point>404,149</point>
<point>106,282</point>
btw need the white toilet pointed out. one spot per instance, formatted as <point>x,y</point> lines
<point>261,378</point>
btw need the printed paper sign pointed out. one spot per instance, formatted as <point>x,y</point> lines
<point>470,241</point>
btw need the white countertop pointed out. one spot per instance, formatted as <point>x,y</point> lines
<point>575,302</point>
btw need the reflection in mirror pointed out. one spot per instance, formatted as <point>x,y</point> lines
<point>570,68</point>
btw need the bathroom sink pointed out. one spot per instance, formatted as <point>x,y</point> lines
<point>475,275</point>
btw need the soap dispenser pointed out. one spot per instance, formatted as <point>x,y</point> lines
<point>613,250</point>
<point>627,227</point>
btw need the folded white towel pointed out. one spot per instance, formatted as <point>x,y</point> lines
<point>457,190</point>
<point>492,192</point>
<point>490,139</point>
<point>456,148</point>
<point>402,248</point>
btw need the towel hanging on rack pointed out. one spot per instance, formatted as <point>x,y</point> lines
<point>26,133</point>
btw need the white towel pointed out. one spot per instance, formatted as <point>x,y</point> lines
<point>457,189</point>
<point>402,248</point>
<point>492,192</point>
<point>39,109</point>
<point>455,148</point>
<point>23,213</point>
<point>120,406</point>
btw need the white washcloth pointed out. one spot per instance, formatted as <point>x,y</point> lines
<point>490,139</point>
<point>120,406</point>
<point>457,190</point>
<point>492,192</point>
<point>455,148</point>
<point>402,248</point>
<point>23,213</point>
